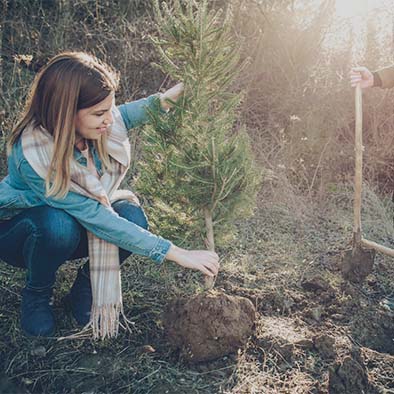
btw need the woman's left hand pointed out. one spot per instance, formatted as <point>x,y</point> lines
<point>171,94</point>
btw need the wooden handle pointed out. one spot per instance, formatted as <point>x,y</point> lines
<point>377,247</point>
<point>358,177</point>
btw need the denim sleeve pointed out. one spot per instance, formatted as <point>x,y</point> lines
<point>100,220</point>
<point>135,113</point>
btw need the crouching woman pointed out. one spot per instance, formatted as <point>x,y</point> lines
<point>60,200</point>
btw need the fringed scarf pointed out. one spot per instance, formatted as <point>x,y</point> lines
<point>37,145</point>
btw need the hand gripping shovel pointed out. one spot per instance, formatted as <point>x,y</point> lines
<point>357,263</point>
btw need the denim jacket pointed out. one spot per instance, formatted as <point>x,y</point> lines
<point>22,188</point>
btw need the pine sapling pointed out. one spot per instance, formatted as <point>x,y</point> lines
<point>195,156</point>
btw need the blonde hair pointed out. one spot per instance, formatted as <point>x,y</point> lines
<point>69,82</point>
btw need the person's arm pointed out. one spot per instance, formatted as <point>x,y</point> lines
<point>135,113</point>
<point>383,77</point>
<point>105,223</point>
<point>100,220</point>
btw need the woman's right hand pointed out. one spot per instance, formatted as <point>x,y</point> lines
<point>172,94</point>
<point>362,76</point>
<point>203,260</point>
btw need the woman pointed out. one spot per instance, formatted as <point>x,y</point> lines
<point>60,200</point>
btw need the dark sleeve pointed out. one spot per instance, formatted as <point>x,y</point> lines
<point>384,77</point>
<point>377,82</point>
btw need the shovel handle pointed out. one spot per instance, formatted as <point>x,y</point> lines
<point>358,177</point>
<point>379,248</point>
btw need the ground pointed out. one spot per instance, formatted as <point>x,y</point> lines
<point>314,333</point>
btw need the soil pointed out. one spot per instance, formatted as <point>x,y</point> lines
<point>209,325</point>
<point>348,376</point>
<point>340,321</point>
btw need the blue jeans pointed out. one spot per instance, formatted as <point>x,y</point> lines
<point>41,239</point>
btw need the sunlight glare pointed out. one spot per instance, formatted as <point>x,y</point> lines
<point>352,8</point>
<point>350,23</point>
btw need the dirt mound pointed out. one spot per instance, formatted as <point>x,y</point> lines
<point>374,328</point>
<point>380,368</point>
<point>209,325</point>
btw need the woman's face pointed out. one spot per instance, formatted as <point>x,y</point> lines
<point>91,123</point>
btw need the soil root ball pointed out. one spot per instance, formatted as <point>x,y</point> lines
<point>209,325</point>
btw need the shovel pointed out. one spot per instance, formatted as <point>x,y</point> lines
<point>357,263</point>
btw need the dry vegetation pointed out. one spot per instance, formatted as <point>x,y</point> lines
<point>315,332</point>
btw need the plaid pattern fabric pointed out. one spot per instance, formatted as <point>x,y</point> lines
<point>37,146</point>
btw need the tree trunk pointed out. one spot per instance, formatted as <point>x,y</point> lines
<point>210,243</point>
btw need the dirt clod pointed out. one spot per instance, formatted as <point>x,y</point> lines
<point>324,344</point>
<point>348,377</point>
<point>315,283</point>
<point>209,325</point>
<point>316,313</point>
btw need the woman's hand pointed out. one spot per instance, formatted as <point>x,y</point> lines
<point>172,94</point>
<point>203,260</point>
<point>362,76</point>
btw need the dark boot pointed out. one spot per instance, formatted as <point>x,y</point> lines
<point>79,300</point>
<point>36,312</point>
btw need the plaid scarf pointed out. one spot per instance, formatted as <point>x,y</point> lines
<point>107,305</point>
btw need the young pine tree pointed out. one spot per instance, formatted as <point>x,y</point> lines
<point>198,166</point>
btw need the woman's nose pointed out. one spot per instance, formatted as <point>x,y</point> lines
<point>108,119</point>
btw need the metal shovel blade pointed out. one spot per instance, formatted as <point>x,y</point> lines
<point>357,263</point>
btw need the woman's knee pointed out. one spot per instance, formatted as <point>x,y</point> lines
<point>131,212</point>
<point>56,228</point>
